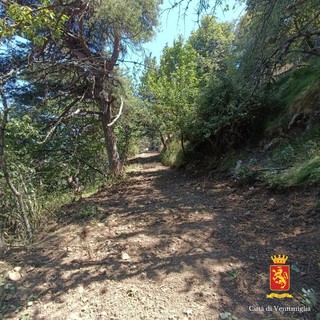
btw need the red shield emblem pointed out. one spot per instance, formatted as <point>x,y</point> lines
<point>279,277</point>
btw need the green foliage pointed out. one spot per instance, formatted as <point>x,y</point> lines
<point>297,91</point>
<point>132,126</point>
<point>307,172</point>
<point>41,172</point>
<point>302,157</point>
<point>217,99</point>
<point>173,155</point>
<point>135,20</point>
<point>210,94</point>
<point>32,24</point>
<point>172,89</point>
<point>54,148</point>
<point>275,34</point>
<point>292,87</point>
<point>285,154</point>
<point>217,103</point>
<point>213,44</point>
<point>190,92</point>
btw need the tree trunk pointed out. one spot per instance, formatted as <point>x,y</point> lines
<point>105,106</point>
<point>4,168</point>
<point>163,141</point>
<point>111,145</point>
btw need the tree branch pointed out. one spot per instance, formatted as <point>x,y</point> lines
<point>62,117</point>
<point>118,115</point>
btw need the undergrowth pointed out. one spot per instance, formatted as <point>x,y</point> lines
<point>298,155</point>
<point>307,172</point>
<point>302,159</point>
<point>297,82</point>
<point>295,159</point>
<point>173,155</point>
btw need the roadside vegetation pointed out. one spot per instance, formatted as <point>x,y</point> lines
<point>92,225</point>
<point>233,97</point>
<point>251,99</point>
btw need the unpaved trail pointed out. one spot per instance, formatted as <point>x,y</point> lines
<point>165,244</point>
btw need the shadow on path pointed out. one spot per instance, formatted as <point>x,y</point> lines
<point>204,240</point>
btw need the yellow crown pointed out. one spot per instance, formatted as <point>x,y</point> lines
<point>280,259</point>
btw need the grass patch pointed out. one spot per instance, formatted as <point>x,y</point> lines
<point>307,173</point>
<point>301,156</point>
<point>290,87</point>
<point>303,148</point>
<point>54,201</point>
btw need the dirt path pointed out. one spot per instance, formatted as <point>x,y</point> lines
<point>169,245</point>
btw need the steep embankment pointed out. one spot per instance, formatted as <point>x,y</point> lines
<point>167,245</point>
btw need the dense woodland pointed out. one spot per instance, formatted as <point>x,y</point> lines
<point>230,96</point>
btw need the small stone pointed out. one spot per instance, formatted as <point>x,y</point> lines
<point>272,201</point>
<point>125,256</point>
<point>14,276</point>
<point>17,269</point>
<point>30,303</point>
<point>29,269</point>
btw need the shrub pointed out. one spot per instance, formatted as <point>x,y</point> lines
<point>173,155</point>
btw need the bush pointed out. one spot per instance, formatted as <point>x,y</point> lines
<point>173,155</point>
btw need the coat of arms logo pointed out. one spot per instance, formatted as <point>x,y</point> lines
<point>279,277</point>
